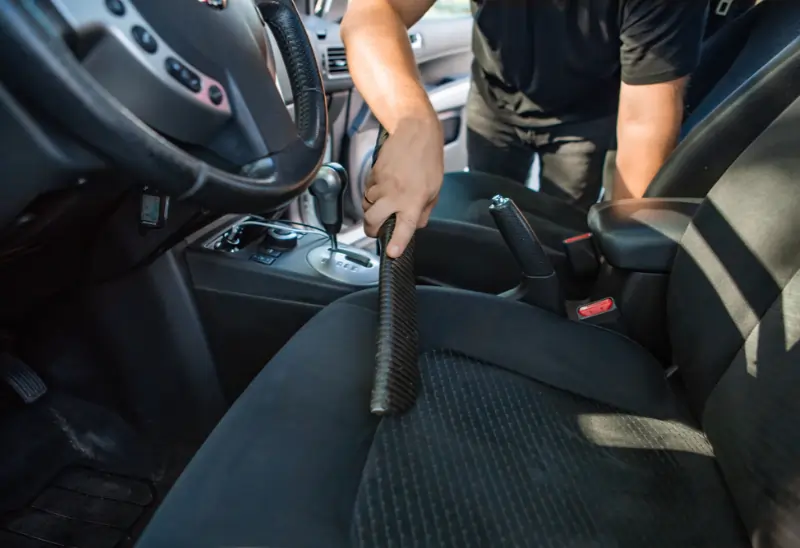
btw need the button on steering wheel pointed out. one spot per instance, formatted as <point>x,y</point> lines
<point>181,93</point>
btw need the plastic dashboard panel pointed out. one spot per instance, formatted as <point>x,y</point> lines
<point>36,158</point>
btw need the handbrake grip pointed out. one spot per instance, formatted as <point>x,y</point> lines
<point>520,237</point>
<point>540,285</point>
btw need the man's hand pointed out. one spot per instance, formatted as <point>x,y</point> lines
<point>405,180</point>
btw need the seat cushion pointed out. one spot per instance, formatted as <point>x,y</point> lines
<point>570,414</point>
<point>487,458</point>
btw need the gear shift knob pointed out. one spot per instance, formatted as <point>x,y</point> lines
<point>328,191</point>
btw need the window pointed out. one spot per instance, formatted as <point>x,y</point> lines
<point>333,10</point>
<point>449,8</point>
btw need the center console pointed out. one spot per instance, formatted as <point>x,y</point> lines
<point>258,280</point>
<point>637,240</point>
<point>277,260</point>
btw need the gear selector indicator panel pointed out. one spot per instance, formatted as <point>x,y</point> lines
<point>351,266</point>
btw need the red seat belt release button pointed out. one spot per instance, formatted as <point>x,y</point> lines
<point>578,238</point>
<point>590,310</point>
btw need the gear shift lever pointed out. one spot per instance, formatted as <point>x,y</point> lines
<point>328,189</point>
<point>345,264</point>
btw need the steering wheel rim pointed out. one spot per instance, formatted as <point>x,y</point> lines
<point>45,69</point>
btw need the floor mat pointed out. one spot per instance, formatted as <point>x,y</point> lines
<point>75,474</point>
<point>81,508</point>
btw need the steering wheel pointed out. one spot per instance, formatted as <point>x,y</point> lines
<point>181,93</point>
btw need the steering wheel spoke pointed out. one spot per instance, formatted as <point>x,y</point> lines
<point>260,124</point>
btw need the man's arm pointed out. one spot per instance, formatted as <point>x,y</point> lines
<point>660,48</point>
<point>407,176</point>
<point>648,126</point>
<point>380,59</point>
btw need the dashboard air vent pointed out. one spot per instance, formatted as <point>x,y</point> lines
<point>336,62</point>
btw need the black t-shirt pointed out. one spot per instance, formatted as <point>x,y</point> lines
<point>542,62</point>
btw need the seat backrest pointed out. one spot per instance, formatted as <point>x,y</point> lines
<point>737,52</point>
<point>734,319</point>
<point>721,12</point>
<point>759,84</point>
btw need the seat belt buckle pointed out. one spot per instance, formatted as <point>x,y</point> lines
<point>582,255</point>
<point>602,312</point>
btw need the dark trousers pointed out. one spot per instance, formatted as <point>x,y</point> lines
<point>573,156</point>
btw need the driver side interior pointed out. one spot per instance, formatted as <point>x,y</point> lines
<point>644,396</point>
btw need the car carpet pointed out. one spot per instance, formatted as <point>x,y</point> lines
<point>73,473</point>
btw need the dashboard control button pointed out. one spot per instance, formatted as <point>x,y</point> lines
<point>173,66</point>
<point>144,39</point>
<point>182,74</point>
<point>116,7</point>
<point>190,80</point>
<point>215,94</point>
<point>263,259</point>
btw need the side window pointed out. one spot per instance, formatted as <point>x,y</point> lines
<point>449,8</point>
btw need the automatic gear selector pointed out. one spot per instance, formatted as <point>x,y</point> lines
<point>347,264</point>
<point>342,263</point>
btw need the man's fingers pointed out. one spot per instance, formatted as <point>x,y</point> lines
<point>404,228</point>
<point>403,232</point>
<point>376,215</point>
<point>371,179</point>
<point>374,193</point>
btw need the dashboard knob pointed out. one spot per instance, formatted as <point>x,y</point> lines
<point>280,239</point>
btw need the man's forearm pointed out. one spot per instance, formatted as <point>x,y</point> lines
<point>649,124</point>
<point>641,152</point>
<point>381,62</point>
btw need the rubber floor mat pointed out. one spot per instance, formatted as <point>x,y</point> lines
<point>81,508</point>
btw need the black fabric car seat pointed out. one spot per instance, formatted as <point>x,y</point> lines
<point>531,429</point>
<point>759,81</point>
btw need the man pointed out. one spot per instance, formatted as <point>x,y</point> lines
<point>553,76</point>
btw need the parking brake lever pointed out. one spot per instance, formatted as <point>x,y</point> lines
<point>328,192</point>
<point>539,286</point>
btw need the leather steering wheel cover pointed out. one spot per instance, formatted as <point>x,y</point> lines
<point>311,109</point>
<point>46,71</point>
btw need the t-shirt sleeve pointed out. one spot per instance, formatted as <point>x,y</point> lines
<point>660,39</point>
